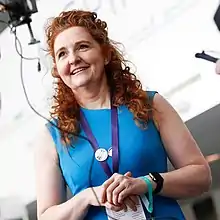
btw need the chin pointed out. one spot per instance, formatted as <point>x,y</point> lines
<point>79,84</point>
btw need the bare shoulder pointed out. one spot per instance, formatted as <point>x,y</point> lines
<point>162,107</point>
<point>179,143</point>
<point>166,115</point>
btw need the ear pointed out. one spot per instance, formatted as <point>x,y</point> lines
<point>107,58</point>
<point>55,72</point>
<point>107,53</point>
<point>106,62</point>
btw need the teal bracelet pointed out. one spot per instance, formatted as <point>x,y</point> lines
<point>149,207</point>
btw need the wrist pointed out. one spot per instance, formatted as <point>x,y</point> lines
<point>142,186</point>
<point>158,180</point>
<point>154,185</point>
<point>86,197</point>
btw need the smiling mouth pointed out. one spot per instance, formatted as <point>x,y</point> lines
<point>78,70</point>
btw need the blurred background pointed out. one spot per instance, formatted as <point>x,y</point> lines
<point>160,38</point>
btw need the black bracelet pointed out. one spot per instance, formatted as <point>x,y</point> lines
<point>158,179</point>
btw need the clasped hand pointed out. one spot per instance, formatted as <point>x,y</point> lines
<point>120,192</point>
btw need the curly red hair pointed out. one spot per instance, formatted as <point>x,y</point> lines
<point>125,87</point>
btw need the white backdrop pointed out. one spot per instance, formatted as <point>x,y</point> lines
<point>160,38</point>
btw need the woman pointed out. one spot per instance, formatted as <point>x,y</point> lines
<point>97,94</point>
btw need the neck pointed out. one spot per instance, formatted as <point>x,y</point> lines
<point>94,96</point>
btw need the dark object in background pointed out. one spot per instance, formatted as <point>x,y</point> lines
<point>5,18</point>
<point>15,219</point>
<point>205,209</point>
<point>217,18</point>
<point>32,210</point>
<point>19,10</point>
<point>207,57</point>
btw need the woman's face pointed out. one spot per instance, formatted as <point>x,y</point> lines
<point>78,57</point>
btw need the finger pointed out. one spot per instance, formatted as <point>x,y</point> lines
<point>122,195</point>
<point>125,208</point>
<point>114,207</point>
<point>129,203</point>
<point>112,178</point>
<point>116,193</point>
<point>105,186</point>
<point>103,195</point>
<point>109,191</point>
<point>128,174</point>
<point>134,199</point>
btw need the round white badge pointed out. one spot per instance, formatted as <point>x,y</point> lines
<point>101,154</point>
<point>110,152</point>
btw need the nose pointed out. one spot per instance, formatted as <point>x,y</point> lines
<point>73,58</point>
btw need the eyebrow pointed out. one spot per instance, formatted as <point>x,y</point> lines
<point>76,44</point>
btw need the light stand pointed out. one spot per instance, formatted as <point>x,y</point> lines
<point>20,12</point>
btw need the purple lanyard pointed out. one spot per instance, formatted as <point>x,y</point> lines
<point>95,146</point>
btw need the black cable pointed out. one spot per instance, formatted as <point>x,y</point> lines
<point>40,115</point>
<point>20,53</point>
<point>53,124</point>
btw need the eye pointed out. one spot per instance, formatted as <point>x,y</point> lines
<point>61,54</point>
<point>83,46</point>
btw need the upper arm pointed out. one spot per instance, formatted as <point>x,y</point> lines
<point>49,181</point>
<point>179,144</point>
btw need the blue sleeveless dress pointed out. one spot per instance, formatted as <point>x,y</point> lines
<point>140,151</point>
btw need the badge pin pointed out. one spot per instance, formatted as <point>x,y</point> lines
<point>101,154</point>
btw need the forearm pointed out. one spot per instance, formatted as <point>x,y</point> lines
<point>74,209</point>
<point>185,182</point>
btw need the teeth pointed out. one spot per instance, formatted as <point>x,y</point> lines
<point>78,70</point>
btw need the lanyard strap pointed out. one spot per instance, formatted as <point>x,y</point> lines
<point>115,144</point>
<point>95,146</point>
